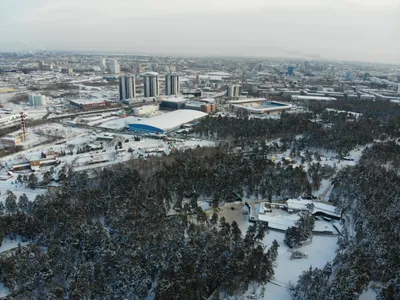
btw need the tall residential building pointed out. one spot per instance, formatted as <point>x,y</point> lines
<point>151,85</point>
<point>234,91</point>
<point>331,72</point>
<point>290,70</point>
<point>398,89</point>
<point>115,67</point>
<point>172,86</point>
<point>127,87</point>
<point>103,66</point>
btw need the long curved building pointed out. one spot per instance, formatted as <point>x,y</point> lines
<point>167,122</point>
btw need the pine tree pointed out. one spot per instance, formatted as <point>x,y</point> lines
<point>11,203</point>
<point>23,203</point>
<point>47,177</point>
<point>32,181</point>
<point>214,219</point>
<point>2,208</point>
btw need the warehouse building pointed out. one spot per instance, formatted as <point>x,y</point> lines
<point>167,122</point>
<point>96,104</point>
<point>200,105</point>
<point>172,103</point>
<point>312,98</point>
<point>145,110</point>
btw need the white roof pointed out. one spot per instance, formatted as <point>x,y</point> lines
<point>279,222</point>
<point>296,97</point>
<point>222,74</point>
<point>81,101</point>
<point>175,100</point>
<point>298,204</point>
<point>149,74</point>
<point>173,119</point>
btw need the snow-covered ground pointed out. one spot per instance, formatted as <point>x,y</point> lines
<point>8,244</point>
<point>368,294</point>
<point>320,251</point>
<point>18,190</point>
<point>4,292</point>
<point>75,138</point>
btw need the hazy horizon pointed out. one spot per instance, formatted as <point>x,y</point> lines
<point>350,30</point>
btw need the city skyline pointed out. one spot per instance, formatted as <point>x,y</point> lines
<point>350,30</point>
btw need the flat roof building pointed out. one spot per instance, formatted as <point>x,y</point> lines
<point>312,98</point>
<point>166,122</point>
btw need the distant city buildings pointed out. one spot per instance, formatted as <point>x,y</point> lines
<point>290,70</point>
<point>348,76</point>
<point>151,84</point>
<point>45,67</point>
<point>66,71</point>
<point>172,85</point>
<point>115,67</point>
<point>127,87</point>
<point>103,66</point>
<point>233,91</point>
<point>331,72</point>
<point>37,100</point>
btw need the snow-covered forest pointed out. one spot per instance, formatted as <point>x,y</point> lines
<point>136,231</point>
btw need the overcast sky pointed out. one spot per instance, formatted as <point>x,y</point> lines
<point>360,30</point>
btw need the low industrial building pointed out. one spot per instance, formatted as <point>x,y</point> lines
<point>167,122</point>
<point>37,100</point>
<point>89,105</point>
<point>259,106</point>
<point>13,139</point>
<point>312,98</point>
<point>10,119</point>
<point>200,105</point>
<point>145,110</point>
<point>172,103</point>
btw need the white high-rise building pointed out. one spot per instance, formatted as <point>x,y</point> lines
<point>172,85</point>
<point>151,85</point>
<point>103,66</point>
<point>234,91</point>
<point>115,67</point>
<point>37,100</point>
<point>127,87</point>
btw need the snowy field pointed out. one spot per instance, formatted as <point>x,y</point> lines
<point>8,244</point>
<point>18,190</point>
<point>74,139</point>
<point>4,292</point>
<point>320,251</point>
